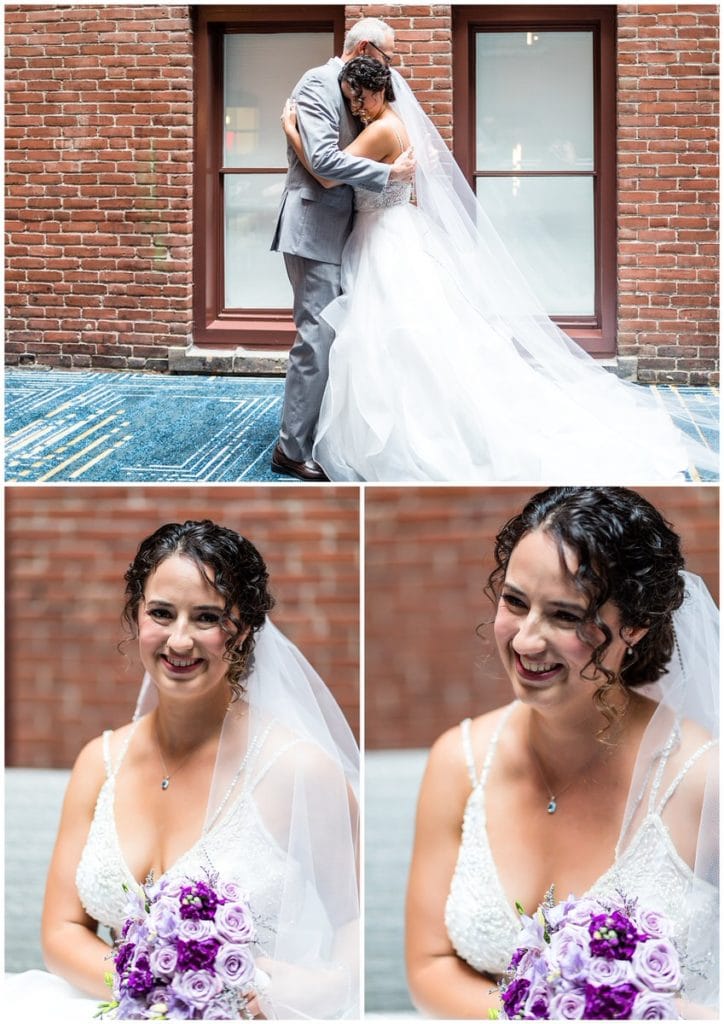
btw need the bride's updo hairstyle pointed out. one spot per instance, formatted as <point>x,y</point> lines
<point>626,553</point>
<point>366,73</point>
<point>229,563</point>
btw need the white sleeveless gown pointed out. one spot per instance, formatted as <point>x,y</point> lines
<point>481,922</point>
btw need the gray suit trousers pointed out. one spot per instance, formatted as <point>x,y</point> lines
<point>315,284</point>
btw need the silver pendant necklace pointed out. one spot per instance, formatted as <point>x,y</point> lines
<point>167,776</point>
<point>552,797</point>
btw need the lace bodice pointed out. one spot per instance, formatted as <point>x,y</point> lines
<point>481,922</point>
<point>239,848</point>
<point>395,193</point>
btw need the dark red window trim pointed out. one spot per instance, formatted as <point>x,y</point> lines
<point>213,324</point>
<point>597,334</point>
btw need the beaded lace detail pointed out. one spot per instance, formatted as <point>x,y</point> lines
<point>238,847</point>
<point>481,923</point>
<point>395,193</point>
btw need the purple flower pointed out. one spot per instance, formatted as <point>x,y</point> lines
<point>163,960</point>
<point>131,1008</point>
<point>568,1006</point>
<point>195,929</point>
<point>657,966</point>
<point>230,892</point>
<point>514,996</point>
<point>655,924</point>
<point>609,972</point>
<point>536,1005</point>
<point>198,901</point>
<point>163,916</point>
<point>606,1002</point>
<point>613,936</point>
<point>140,979</point>
<point>234,922</point>
<point>197,988</point>
<point>235,965</point>
<point>654,1006</point>
<point>124,956</point>
<point>569,951</point>
<point>581,911</point>
<point>196,956</point>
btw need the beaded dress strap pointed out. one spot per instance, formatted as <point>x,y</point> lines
<point>680,775</point>
<point>111,769</point>
<point>494,743</point>
<point>468,748</point>
<point>254,782</point>
<point>673,739</point>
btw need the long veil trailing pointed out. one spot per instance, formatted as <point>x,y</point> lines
<point>305,791</point>
<point>641,441</point>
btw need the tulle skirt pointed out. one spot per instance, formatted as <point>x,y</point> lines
<point>423,386</point>
<point>39,996</point>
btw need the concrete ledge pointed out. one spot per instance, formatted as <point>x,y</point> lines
<point>229,362</point>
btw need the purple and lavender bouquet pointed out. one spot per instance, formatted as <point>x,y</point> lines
<point>184,953</point>
<point>589,959</point>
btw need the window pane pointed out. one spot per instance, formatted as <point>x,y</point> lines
<point>260,70</point>
<point>534,101</point>
<point>548,226</point>
<point>255,277</point>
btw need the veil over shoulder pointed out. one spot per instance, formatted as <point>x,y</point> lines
<point>446,367</point>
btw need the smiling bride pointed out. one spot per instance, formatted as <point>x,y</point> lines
<point>237,767</point>
<point>599,779</point>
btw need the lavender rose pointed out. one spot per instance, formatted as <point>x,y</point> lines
<point>581,912</point>
<point>197,988</point>
<point>163,960</point>
<point>234,922</point>
<point>235,965</point>
<point>657,966</point>
<point>568,1006</point>
<point>230,892</point>
<point>163,917</point>
<point>198,929</point>
<point>654,1006</point>
<point>655,924</point>
<point>609,972</point>
<point>606,1002</point>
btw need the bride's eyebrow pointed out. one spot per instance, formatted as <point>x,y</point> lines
<point>571,606</point>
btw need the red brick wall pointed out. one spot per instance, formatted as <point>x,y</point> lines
<point>428,552</point>
<point>423,53</point>
<point>67,549</point>
<point>99,210</point>
<point>668,114</point>
<point>99,183</point>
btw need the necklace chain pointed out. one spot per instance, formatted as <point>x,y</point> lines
<point>167,775</point>
<point>553,798</point>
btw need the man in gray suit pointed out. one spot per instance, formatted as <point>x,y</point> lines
<point>313,225</point>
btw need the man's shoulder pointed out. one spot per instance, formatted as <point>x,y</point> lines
<point>325,75</point>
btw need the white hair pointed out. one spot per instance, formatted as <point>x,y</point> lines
<point>368,30</point>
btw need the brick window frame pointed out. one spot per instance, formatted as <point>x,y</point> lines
<point>214,324</point>
<point>596,334</point>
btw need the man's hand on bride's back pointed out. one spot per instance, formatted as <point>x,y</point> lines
<point>403,169</point>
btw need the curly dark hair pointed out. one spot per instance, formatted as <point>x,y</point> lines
<point>626,553</point>
<point>230,564</point>
<point>365,73</point>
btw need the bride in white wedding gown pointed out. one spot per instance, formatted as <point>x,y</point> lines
<point>444,365</point>
<point>238,764</point>
<point>601,778</point>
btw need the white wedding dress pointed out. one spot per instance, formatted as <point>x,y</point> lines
<point>480,919</point>
<point>239,848</point>
<point>445,366</point>
<point>424,386</point>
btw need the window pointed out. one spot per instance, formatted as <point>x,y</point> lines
<point>534,103</point>
<point>247,61</point>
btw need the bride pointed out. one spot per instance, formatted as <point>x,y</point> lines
<point>444,365</point>
<point>237,763</point>
<point>600,778</point>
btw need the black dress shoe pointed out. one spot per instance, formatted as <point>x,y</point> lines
<point>308,470</point>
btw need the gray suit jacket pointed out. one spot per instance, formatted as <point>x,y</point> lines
<point>313,221</point>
